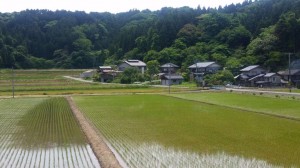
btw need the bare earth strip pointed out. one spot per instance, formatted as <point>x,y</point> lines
<point>105,156</point>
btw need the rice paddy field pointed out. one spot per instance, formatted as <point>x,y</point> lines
<point>41,132</point>
<point>196,131</point>
<point>205,129</point>
<point>255,103</point>
<point>53,82</point>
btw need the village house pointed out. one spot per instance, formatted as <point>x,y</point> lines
<point>198,70</point>
<point>270,80</point>
<point>169,68</point>
<point>107,73</point>
<point>255,75</point>
<point>134,64</point>
<point>293,74</point>
<point>171,79</point>
<point>169,76</point>
<point>250,75</point>
<point>273,79</point>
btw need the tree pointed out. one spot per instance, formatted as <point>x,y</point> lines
<point>287,30</point>
<point>82,44</point>
<point>152,68</point>
<point>131,75</point>
<point>235,37</point>
<point>189,33</point>
<point>233,65</point>
<point>219,78</point>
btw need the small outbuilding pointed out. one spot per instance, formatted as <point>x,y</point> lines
<point>107,73</point>
<point>171,79</point>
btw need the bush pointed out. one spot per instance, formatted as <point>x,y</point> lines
<point>131,75</point>
<point>219,78</point>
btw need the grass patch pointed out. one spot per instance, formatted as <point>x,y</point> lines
<point>193,126</point>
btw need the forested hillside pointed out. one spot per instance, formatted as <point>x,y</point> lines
<point>259,32</point>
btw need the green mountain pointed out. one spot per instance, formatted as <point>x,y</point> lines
<point>254,32</point>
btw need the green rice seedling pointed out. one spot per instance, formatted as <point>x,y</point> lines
<point>178,125</point>
<point>41,132</point>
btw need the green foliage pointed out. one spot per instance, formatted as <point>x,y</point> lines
<point>189,34</point>
<point>233,65</point>
<point>257,32</point>
<point>131,75</point>
<point>152,68</point>
<point>219,78</point>
<point>82,44</point>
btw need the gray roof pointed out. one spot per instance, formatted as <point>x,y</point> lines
<point>269,74</point>
<point>135,63</point>
<point>172,76</point>
<point>242,76</point>
<point>257,76</point>
<point>168,65</point>
<point>286,72</point>
<point>201,65</point>
<point>249,68</point>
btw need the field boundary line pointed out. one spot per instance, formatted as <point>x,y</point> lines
<point>238,108</point>
<point>102,151</point>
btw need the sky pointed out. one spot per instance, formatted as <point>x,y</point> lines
<point>112,6</point>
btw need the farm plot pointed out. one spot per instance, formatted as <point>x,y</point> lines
<point>46,82</point>
<point>256,103</point>
<point>161,131</point>
<point>41,132</point>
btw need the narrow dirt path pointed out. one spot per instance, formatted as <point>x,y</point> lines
<point>105,156</point>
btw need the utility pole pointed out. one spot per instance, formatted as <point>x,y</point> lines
<point>196,72</point>
<point>290,80</point>
<point>13,81</point>
<point>169,78</point>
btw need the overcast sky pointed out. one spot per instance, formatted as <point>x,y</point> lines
<point>113,6</point>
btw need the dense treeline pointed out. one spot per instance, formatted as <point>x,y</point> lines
<point>254,32</point>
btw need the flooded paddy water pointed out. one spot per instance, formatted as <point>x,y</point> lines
<point>41,132</point>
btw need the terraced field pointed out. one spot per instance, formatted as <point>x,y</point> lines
<point>161,131</point>
<point>41,132</point>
